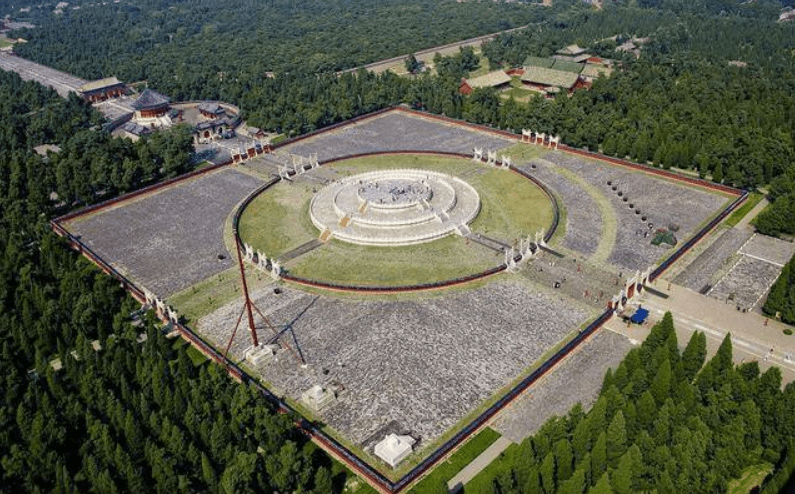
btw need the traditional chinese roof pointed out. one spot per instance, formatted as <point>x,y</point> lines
<point>549,77</point>
<point>572,50</point>
<point>567,66</point>
<point>213,108</point>
<point>539,62</point>
<point>99,84</point>
<point>135,129</point>
<point>150,99</point>
<point>492,79</point>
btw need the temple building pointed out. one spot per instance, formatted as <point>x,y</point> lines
<point>102,89</point>
<point>151,108</point>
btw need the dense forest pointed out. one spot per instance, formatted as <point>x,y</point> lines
<point>124,413</point>
<point>713,90</point>
<point>781,299</point>
<point>190,48</point>
<point>664,422</point>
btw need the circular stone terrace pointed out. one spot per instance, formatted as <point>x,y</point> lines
<point>395,207</point>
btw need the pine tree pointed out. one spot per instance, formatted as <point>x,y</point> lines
<point>599,456</point>
<point>547,474</point>
<point>564,458</point>
<point>616,439</point>
<point>623,478</point>
<point>694,355</point>
<point>603,486</point>
<point>574,485</point>
<point>661,385</point>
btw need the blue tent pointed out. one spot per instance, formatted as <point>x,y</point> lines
<point>640,315</point>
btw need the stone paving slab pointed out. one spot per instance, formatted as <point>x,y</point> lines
<point>171,239</point>
<point>770,249</point>
<point>423,364</point>
<point>578,379</point>
<point>584,224</point>
<point>746,282</point>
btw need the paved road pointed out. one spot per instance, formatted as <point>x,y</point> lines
<point>62,82</point>
<point>427,54</point>
<point>753,335</point>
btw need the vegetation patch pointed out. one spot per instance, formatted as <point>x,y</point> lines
<point>750,478</point>
<point>444,259</point>
<point>456,462</point>
<point>207,296</point>
<point>748,205</point>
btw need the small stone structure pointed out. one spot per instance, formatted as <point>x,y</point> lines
<point>260,354</point>
<point>317,397</point>
<point>394,448</point>
<point>395,207</point>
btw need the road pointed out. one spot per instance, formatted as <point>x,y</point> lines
<point>754,337</point>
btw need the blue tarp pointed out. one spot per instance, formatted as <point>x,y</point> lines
<point>640,315</point>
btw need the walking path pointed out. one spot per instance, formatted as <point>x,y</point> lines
<point>753,213</point>
<point>478,464</point>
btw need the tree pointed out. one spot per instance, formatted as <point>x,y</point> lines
<point>412,65</point>
<point>694,355</point>
<point>616,439</point>
<point>564,458</point>
<point>661,386</point>
<point>603,486</point>
<point>547,474</point>
<point>599,456</point>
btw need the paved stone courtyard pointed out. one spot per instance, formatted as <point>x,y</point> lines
<point>171,239</point>
<point>418,366</point>
<point>638,200</point>
<point>706,269</point>
<point>396,131</point>
<point>749,279</point>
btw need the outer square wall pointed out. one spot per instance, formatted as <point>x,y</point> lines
<point>170,239</point>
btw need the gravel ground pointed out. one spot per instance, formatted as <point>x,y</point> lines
<point>699,274</point>
<point>746,282</point>
<point>583,222</point>
<point>575,278</point>
<point>169,240</point>
<point>577,379</point>
<point>418,366</point>
<point>664,203</point>
<point>395,131</point>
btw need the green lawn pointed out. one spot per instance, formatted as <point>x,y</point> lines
<point>750,478</point>
<point>483,482</point>
<point>748,205</point>
<point>443,259</point>
<point>456,462</point>
<point>4,43</point>
<point>278,220</point>
<point>511,205</point>
<point>211,294</point>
